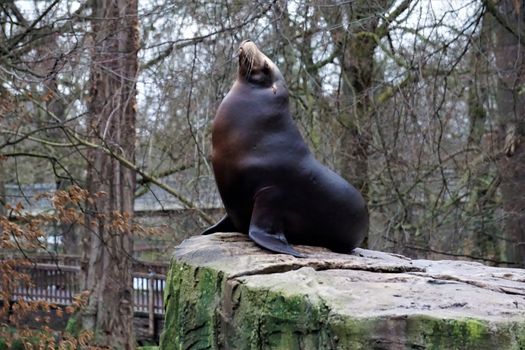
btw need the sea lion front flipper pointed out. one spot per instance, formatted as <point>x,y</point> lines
<point>276,242</point>
<point>266,226</point>
<point>224,225</point>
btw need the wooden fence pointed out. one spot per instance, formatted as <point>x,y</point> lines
<point>74,260</point>
<point>54,283</point>
<point>59,284</point>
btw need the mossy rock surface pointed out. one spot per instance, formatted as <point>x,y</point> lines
<point>223,292</point>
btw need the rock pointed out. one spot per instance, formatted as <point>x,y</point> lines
<point>223,292</point>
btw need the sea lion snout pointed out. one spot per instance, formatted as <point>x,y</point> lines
<point>254,66</point>
<point>248,49</point>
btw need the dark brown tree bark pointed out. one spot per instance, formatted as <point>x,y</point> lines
<point>509,52</point>
<point>356,43</point>
<point>483,177</point>
<point>112,108</point>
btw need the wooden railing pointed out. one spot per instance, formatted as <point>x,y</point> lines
<point>54,283</point>
<point>74,260</point>
<point>148,289</point>
<point>59,284</point>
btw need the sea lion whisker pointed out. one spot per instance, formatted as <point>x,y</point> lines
<point>249,65</point>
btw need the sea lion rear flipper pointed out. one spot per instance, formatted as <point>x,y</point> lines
<point>266,227</point>
<point>224,225</point>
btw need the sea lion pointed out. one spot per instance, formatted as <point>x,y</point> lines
<point>272,187</point>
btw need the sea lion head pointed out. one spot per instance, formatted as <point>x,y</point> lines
<point>255,67</point>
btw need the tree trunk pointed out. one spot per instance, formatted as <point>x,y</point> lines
<point>356,45</point>
<point>2,190</point>
<point>509,53</point>
<point>112,108</point>
<point>4,110</point>
<point>483,177</point>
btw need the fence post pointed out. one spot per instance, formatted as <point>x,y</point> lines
<point>151,303</point>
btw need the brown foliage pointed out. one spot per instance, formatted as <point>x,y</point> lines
<point>21,234</point>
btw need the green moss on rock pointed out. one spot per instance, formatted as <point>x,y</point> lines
<point>268,319</point>
<point>191,296</point>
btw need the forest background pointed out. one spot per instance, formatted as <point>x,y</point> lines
<point>420,104</point>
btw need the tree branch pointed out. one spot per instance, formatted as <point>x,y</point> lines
<point>179,44</point>
<point>383,29</point>
<point>146,176</point>
<point>36,139</point>
<point>32,26</point>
